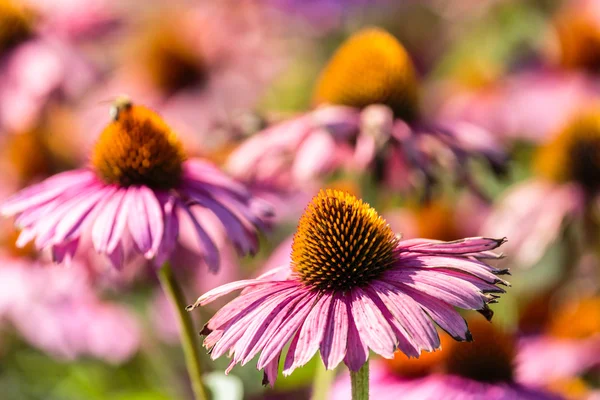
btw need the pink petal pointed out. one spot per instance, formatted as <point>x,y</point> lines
<point>208,247</point>
<point>287,328</point>
<point>310,336</point>
<point>409,314</point>
<point>372,326</point>
<point>106,229</point>
<point>333,345</point>
<point>357,351</point>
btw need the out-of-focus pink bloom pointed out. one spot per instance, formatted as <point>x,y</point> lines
<point>381,293</point>
<point>567,347</point>
<point>202,69</point>
<point>482,369</point>
<point>529,106</point>
<point>369,120</point>
<point>75,19</point>
<point>533,213</point>
<point>55,309</point>
<point>34,71</point>
<point>44,62</point>
<point>543,359</point>
<point>125,203</point>
<point>384,385</point>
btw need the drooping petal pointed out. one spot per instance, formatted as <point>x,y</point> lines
<point>310,336</point>
<point>333,345</point>
<point>207,246</point>
<point>357,350</point>
<point>410,315</point>
<point>371,324</point>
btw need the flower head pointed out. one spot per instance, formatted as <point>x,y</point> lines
<point>577,29</point>
<point>368,118</point>
<point>351,286</point>
<point>132,197</point>
<point>574,154</point>
<point>482,369</point>
<point>371,67</point>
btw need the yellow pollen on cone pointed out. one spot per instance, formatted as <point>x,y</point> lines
<point>371,67</point>
<point>138,147</point>
<point>341,242</point>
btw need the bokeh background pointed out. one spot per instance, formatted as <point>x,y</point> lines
<point>220,72</point>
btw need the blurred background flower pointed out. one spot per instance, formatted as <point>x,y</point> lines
<point>452,118</point>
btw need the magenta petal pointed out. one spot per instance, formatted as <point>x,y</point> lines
<point>209,249</point>
<point>451,290</point>
<point>105,229</point>
<point>145,221</point>
<point>65,251</point>
<point>462,246</point>
<point>234,331</point>
<point>45,191</point>
<point>371,324</point>
<point>333,345</point>
<point>409,314</point>
<point>357,351</point>
<point>171,230</point>
<point>271,371</point>
<point>442,313</point>
<point>287,328</point>
<point>311,334</point>
<point>259,332</point>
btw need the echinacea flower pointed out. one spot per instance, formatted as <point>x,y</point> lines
<point>57,310</point>
<point>133,195</point>
<point>37,64</point>
<point>532,103</point>
<point>352,285</point>
<point>565,188</point>
<point>369,118</point>
<point>482,369</point>
<point>199,66</point>
<point>566,348</point>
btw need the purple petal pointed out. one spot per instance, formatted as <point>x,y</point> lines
<point>208,247</point>
<point>105,228</point>
<point>146,222</point>
<point>371,324</point>
<point>333,345</point>
<point>409,314</point>
<point>357,351</point>
<point>442,313</point>
<point>46,191</point>
<point>310,336</point>
<point>462,246</point>
<point>451,290</point>
<point>287,328</point>
<point>171,230</point>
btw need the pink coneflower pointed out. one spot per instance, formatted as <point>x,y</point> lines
<point>38,62</point>
<point>482,369</point>
<point>535,102</point>
<point>57,310</point>
<point>565,188</point>
<point>566,349</point>
<point>369,118</point>
<point>135,192</point>
<point>132,198</point>
<point>352,285</point>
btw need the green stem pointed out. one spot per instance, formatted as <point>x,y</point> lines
<point>360,383</point>
<point>188,334</point>
<point>322,382</point>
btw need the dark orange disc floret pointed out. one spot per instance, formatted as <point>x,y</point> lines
<point>371,67</point>
<point>576,320</point>
<point>341,243</point>
<point>138,148</point>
